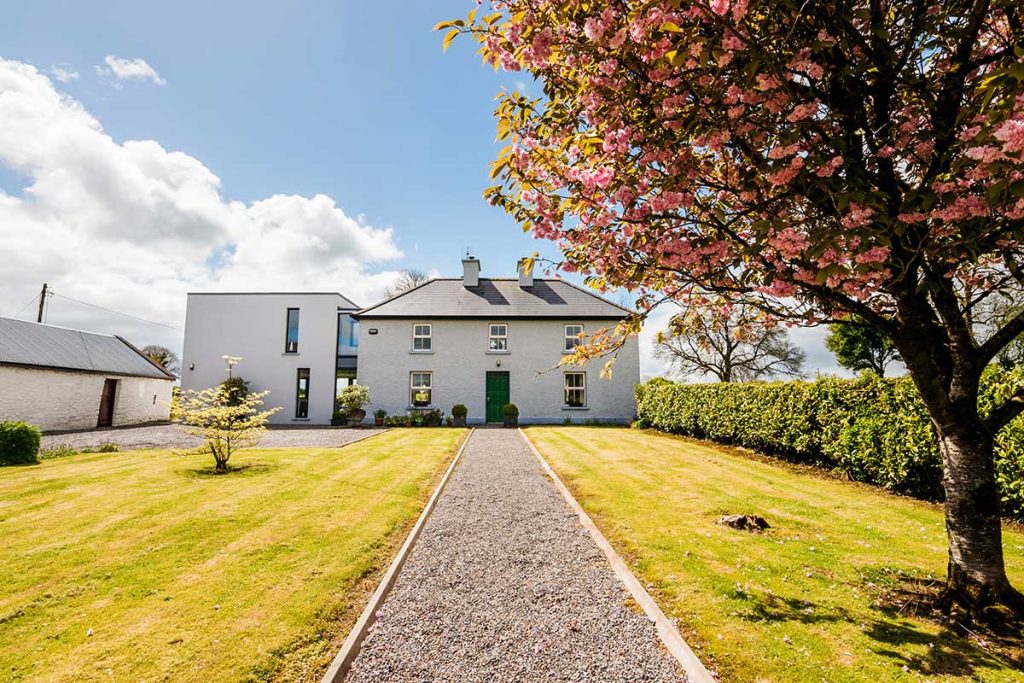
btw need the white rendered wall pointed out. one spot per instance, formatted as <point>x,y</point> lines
<point>252,326</point>
<point>55,400</point>
<point>460,361</point>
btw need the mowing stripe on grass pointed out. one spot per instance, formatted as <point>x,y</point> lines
<point>343,660</point>
<point>695,670</point>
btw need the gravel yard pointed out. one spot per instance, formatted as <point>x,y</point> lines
<point>173,436</point>
<point>504,584</point>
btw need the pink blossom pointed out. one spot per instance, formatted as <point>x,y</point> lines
<point>1011,134</point>
<point>719,6</point>
<point>802,112</point>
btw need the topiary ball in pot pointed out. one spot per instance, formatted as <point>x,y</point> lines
<point>511,413</point>
<point>459,413</point>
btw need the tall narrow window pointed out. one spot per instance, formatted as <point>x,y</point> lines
<point>497,337</point>
<point>302,393</point>
<point>420,389</point>
<point>575,389</point>
<point>348,333</point>
<point>573,334</point>
<point>291,339</point>
<point>421,337</point>
<point>354,340</point>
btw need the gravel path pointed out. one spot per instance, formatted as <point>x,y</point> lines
<point>172,436</point>
<point>504,584</point>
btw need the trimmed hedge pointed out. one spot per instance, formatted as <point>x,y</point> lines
<point>19,443</point>
<point>875,430</point>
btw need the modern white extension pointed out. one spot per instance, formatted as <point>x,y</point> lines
<point>481,342</point>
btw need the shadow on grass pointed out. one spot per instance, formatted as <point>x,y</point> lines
<point>902,605</point>
<point>247,470</point>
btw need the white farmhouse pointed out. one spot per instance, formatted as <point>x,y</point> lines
<point>481,342</point>
<point>485,342</point>
<point>62,379</point>
<point>299,346</point>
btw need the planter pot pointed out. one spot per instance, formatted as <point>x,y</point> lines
<point>378,422</point>
<point>339,421</point>
<point>356,417</point>
<point>511,421</point>
<point>459,421</point>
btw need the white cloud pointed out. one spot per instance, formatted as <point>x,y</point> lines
<point>133,227</point>
<point>64,73</point>
<point>129,69</point>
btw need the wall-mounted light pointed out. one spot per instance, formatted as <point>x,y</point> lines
<point>373,330</point>
<point>191,366</point>
<point>497,363</point>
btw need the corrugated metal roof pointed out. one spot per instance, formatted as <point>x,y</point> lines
<point>495,298</point>
<point>49,346</point>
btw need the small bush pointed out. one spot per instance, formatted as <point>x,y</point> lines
<point>875,430</point>
<point>19,443</point>
<point>510,410</point>
<point>460,411</point>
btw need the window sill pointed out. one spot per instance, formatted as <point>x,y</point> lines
<point>421,353</point>
<point>290,353</point>
<point>498,353</point>
<point>420,408</point>
<point>575,407</point>
<point>300,419</point>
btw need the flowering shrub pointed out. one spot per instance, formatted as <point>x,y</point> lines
<point>225,420</point>
<point>874,429</point>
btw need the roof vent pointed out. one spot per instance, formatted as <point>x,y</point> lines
<point>470,271</point>
<point>525,268</point>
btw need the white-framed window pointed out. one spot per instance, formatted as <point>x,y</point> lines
<point>497,337</point>
<point>420,389</point>
<point>421,336</point>
<point>575,389</point>
<point>573,337</point>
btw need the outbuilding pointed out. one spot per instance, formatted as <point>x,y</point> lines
<point>63,379</point>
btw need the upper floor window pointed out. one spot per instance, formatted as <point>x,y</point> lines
<point>575,389</point>
<point>497,337</point>
<point>421,337</point>
<point>291,339</point>
<point>348,333</point>
<point>573,337</point>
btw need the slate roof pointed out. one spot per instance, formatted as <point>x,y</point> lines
<point>496,298</point>
<point>47,346</point>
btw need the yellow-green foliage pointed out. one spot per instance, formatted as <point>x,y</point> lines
<point>874,429</point>
<point>183,576</point>
<point>819,597</point>
<point>225,419</point>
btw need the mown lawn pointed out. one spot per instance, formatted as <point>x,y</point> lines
<point>828,594</point>
<point>179,574</point>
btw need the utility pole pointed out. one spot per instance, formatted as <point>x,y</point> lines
<point>42,303</point>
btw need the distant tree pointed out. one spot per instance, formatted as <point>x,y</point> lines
<point>407,279</point>
<point>859,347</point>
<point>732,343</point>
<point>164,357</point>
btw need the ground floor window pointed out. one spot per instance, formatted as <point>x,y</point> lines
<point>420,386</point>
<point>302,393</point>
<point>575,389</point>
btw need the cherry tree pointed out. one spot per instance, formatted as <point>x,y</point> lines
<point>827,159</point>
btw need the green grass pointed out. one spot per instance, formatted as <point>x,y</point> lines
<point>186,575</point>
<point>835,591</point>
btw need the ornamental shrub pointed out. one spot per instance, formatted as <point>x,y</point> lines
<point>19,443</point>
<point>873,429</point>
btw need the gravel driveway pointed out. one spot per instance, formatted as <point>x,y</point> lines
<point>172,436</point>
<point>504,584</point>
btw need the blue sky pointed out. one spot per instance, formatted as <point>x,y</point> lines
<point>351,100</point>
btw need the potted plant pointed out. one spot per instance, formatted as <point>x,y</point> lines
<point>352,399</point>
<point>459,413</point>
<point>378,417</point>
<point>511,413</point>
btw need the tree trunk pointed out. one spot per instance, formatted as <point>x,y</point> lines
<point>976,579</point>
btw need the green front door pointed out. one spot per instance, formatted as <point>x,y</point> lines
<point>497,395</point>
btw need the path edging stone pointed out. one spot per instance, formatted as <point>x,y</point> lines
<point>343,660</point>
<point>695,670</point>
